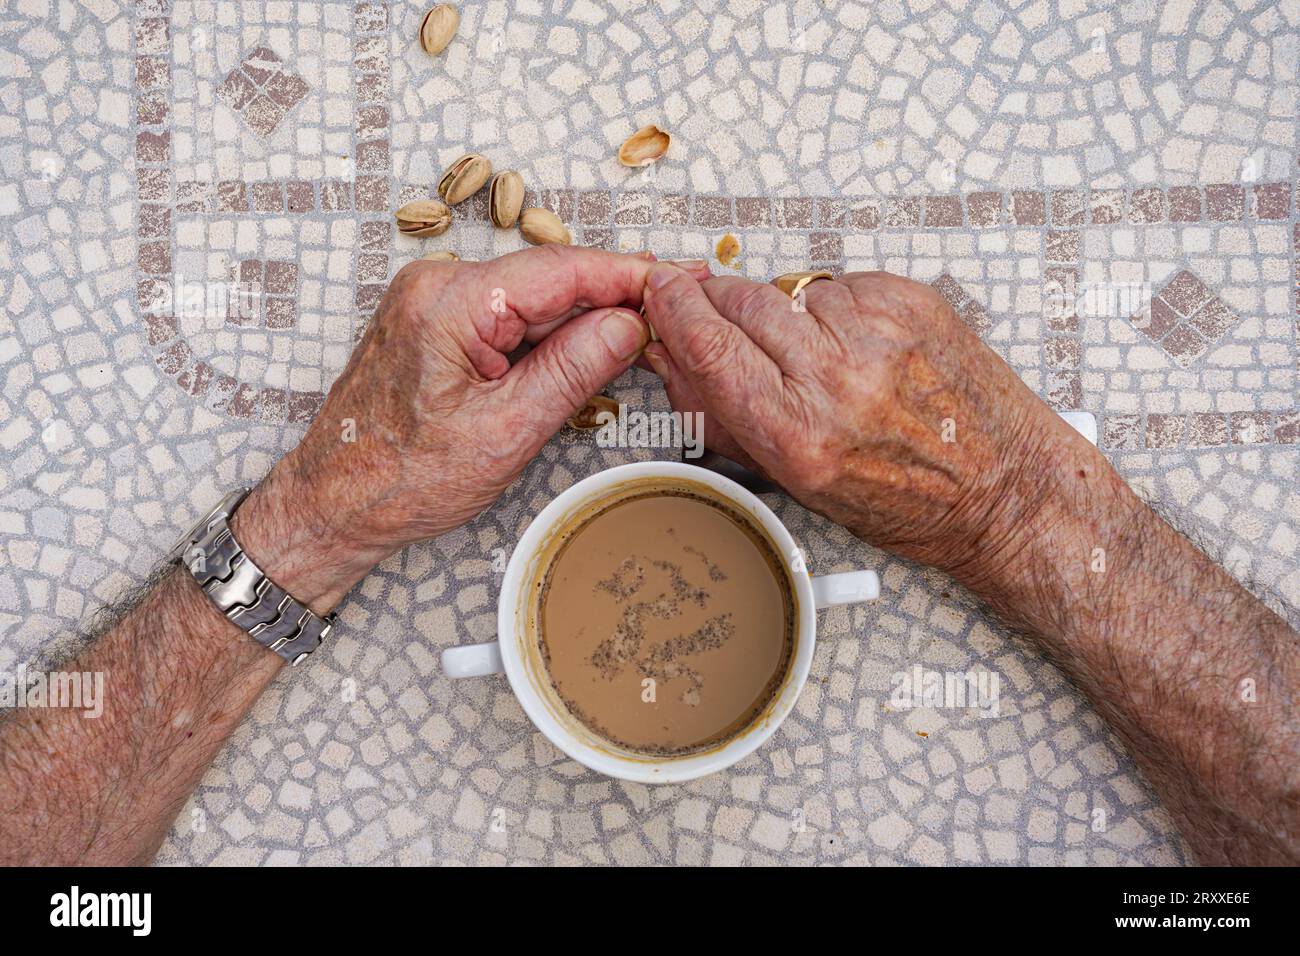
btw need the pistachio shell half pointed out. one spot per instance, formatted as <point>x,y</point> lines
<point>505,198</point>
<point>644,146</point>
<point>464,178</point>
<point>424,217</point>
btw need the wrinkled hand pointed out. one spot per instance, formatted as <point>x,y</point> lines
<point>429,422</point>
<point>877,407</point>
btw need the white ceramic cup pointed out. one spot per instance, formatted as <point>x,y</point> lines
<point>515,652</point>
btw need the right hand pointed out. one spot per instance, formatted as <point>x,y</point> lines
<point>876,407</point>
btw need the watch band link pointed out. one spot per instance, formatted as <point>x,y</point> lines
<point>239,588</point>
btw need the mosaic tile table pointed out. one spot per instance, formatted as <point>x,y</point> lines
<point>1003,154</point>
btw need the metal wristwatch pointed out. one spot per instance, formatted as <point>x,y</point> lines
<point>242,592</point>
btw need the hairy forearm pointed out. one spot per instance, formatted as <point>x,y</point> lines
<point>1197,676</point>
<point>177,679</point>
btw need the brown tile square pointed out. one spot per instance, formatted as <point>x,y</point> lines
<point>631,209</point>
<point>152,35</point>
<point>335,194</point>
<point>370,54</point>
<point>375,234</point>
<point>831,212</point>
<point>372,193</point>
<point>1224,202</point>
<point>1064,390</point>
<point>674,210</point>
<point>262,115</point>
<point>153,147</point>
<point>1214,319</point>
<point>371,87</point>
<point>368,296</point>
<point>271,406</point>
<point>154,258</point>
<point>370,17</point>
<point>793,212</point>
<point>1250,428</point>
<point>154,222</point>
<point>232,196</point>
<point>1184,204</point>
<point>1067,207</point>
<point>984,209</point>
<point>943,211</point>
<point>252,272</point>
<point>1185,293</point>
<point>753,211</point>
<point>153,185</point>
<point>1286,427</point>
<point>712,212</point>
<point>1206,429</point>
<point>282,277</point>
<point>1164,431</point>
<point>865,216</point>
<point>1063,246</point>
<point>152,109</point>
<point>301,196</point>
<point>903,211</point>
<point>1184,345</point>
<point>280,312</point>
<point>268,197</point>
<point>152,72</point>
<point>1146,205</point>
<point>1061,353</point>
<point>159,328</point>
<point>173,359</point>
<point>371,121</point>
<point>196,379</point>
<point>303,406</point>
<point>1028,209</point>
<point>976,316</point>
<point>594,208</point>
<point>286,89</point>
<point>1122,432</point>
<point>599,238</point>
<point>373,156</point>
<point>1271,201</point>
<point>1107,205</point>
<point>825,247</point>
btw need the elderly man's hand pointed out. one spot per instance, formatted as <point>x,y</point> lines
<point>869,400</point>
<point>429,422</point>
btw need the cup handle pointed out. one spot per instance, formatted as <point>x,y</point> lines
<point>473,660</point>
<point>848,587</point>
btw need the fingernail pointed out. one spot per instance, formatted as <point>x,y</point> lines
<point>657,362</point>
<point>690,265</point>
<point>661,275</point>
<point>623,334</point>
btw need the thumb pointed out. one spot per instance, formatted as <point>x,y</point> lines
<point>572,364</point>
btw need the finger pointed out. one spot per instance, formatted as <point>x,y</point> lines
<point>557,377</point>
<point>714,355</point>
<point>766,314</point>
<point>548,284</point>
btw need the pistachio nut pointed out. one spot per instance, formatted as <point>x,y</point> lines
<point>505,198</point>
<point>588,417</point>
<point>464,178</point>
<point>541,226</point>
<point>438,27</point>
<point>644,146</point>
<point>728,249</point>
<point>792,283</point>
<point>424,217</point>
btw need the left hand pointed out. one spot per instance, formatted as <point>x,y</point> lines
<point>429,422</point>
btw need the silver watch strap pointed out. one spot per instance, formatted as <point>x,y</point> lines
<point>236,585</point>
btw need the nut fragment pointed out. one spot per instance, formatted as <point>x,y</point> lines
<point>424,217</point>
<point>438,27</point>
<point>728,249</point>
<point>541,226</point>
<point>441,255</point>
<point>792,283</point>
<point>587,417</point>
<point>644,146</point>
<point>505,198</point>
<point>464,178</point>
